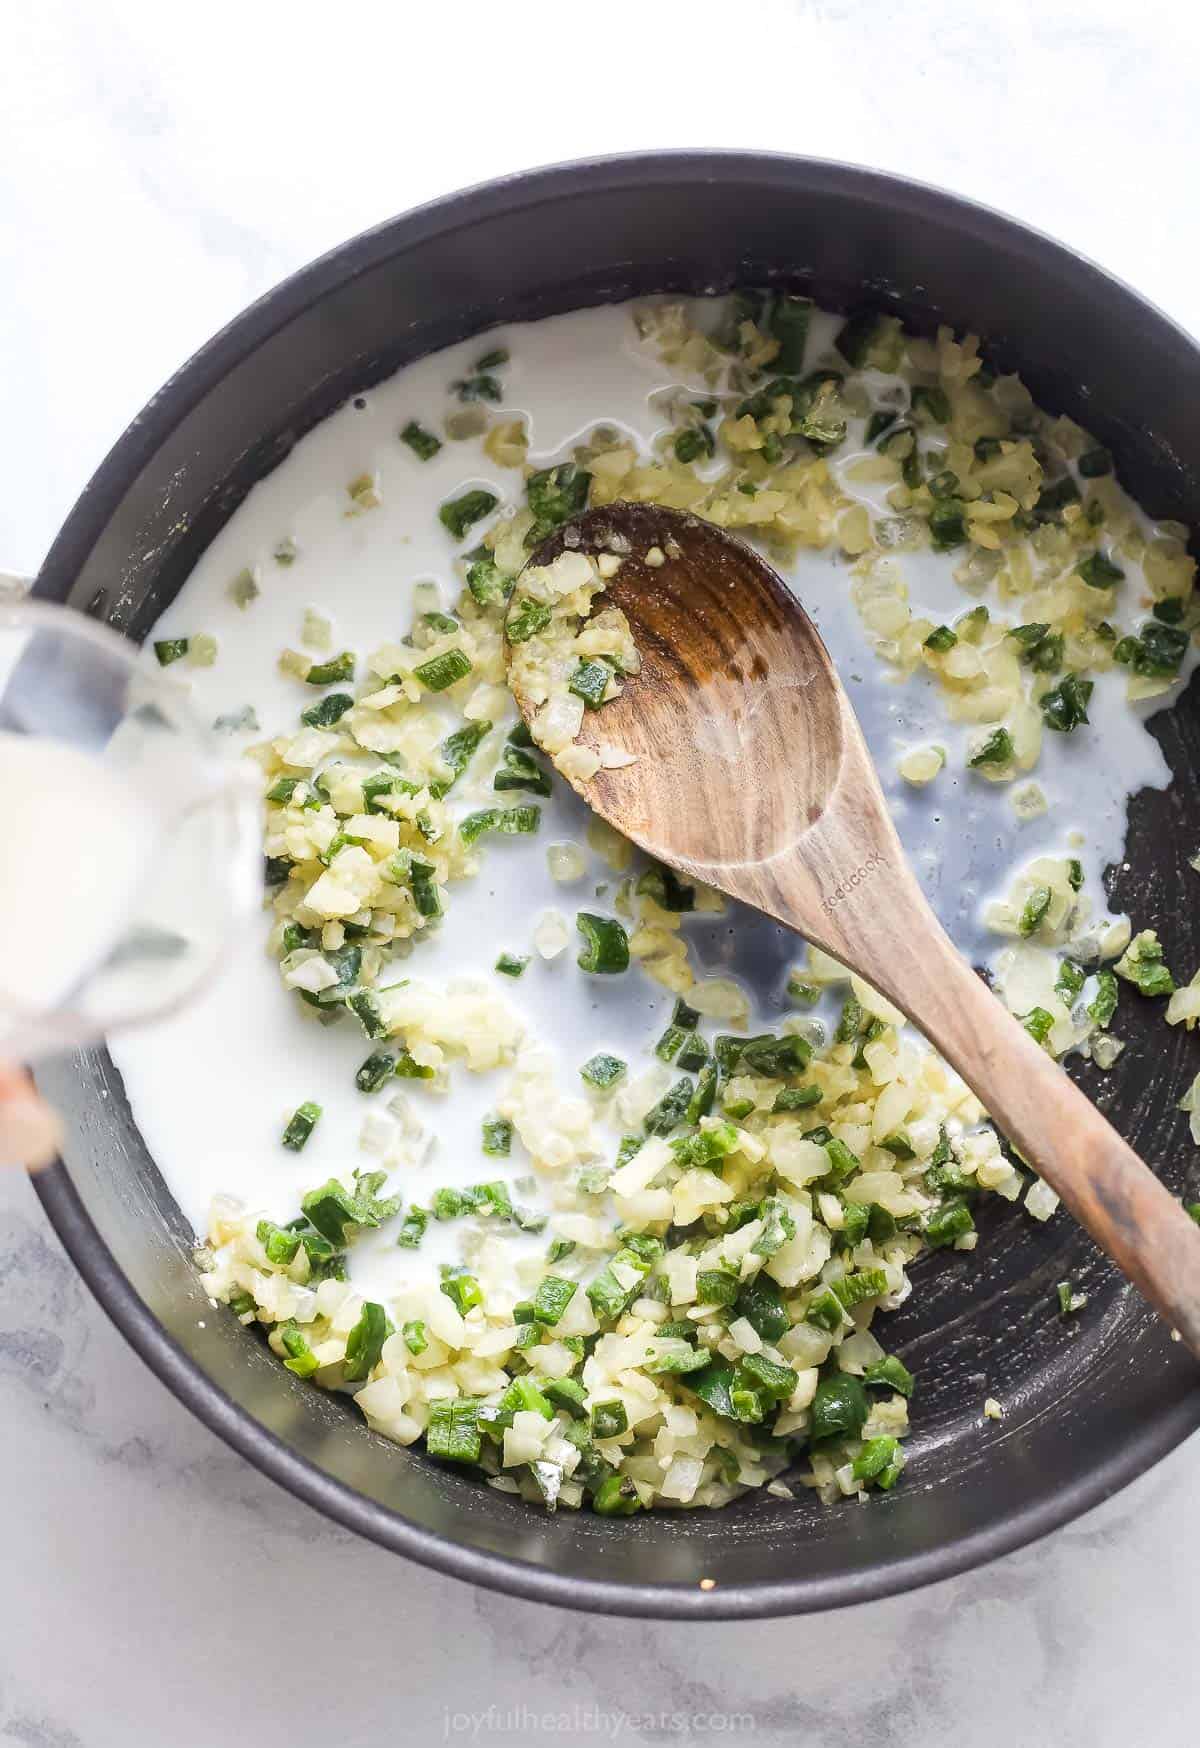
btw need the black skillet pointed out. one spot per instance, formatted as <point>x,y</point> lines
<point>1090,1403</point>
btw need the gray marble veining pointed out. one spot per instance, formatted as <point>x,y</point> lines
<point>160,168</point>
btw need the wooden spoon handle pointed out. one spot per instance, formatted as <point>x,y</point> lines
<point>849,889</point>
<point>1055,1126</point>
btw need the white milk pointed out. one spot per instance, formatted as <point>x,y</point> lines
<point>76,848</point>
<point>212,1087</point>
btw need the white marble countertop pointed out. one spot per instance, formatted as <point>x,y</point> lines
<point>158,169</point>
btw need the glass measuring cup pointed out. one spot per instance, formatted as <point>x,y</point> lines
<point>130,846</point>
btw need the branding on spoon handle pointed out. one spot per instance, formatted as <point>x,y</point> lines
<point>862,873</point>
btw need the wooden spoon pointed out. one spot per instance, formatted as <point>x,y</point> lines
<point>752,775</point>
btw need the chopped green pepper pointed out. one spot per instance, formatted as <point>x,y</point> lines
<point>521,771</point>
<point>825,1311</point>
<point>555,495</point>
<point>891,1372</point>
<point>616,1496</point>
<point>664,886</point>
<point>706,1146</point>
<point>459,514</point>
<point>876,1455</point>
<point>948,1223</point>
<point>497,1137</point>
<point>842,1161</point>
<point>422,883</point>
<point>454,1432</point>
<point>693,442</point>
<point>443,624</point>
<point>670,1110</point>
<point>328,673</point>
<point>463,1290</point>
<point>940,639</point>
<point>528,618</point>
<point>365,1008</point>
<point>1034,909</point>
<point>443,670</point>
<point>947,524</point>
<point>1039,1023</point>
<point>997,749</point>
<point>1099,572</point>
<point>472,828</point>
<point>1094,463</point>
<point>603,1070</point>
<point>378,1067</point>
<point>328,710</point>
<point>423,443</point>
<point>409,1069</point>
<point>590,681</point>
<point>1041,649</point>
<point>693,1054</point>
<point>606,945</point>
<point>804,995</point>
<point>332,1207</point>
<point>608,1297</point>
<point>1157,651</point>
<point>480,387</point>
<point>1054,498</point>
<point>1065,707</point>
<point>762,1304</point>
<point>788,323</point>
<point>364,1344</point>
<point>279,1242</point>
<point>1103,1004</point>
<point>773,1058</point>
<point>300,1357</point>
<point>567,1394</point>
<point>898,1145</point>
<point>839,1407</point>
<point>552,1298</point>
<point>1070,981</point>
<point>856,1221</point>
<point>797,1098</point>
<point>704,1097</point>
<point>301,1125</point>
<point>769,1377</point>
<point>870,339</point>
<point>609,1419</point>
<point>778,1227</point>
<point>412,1229</point>
<point>487,582</point>
<point>1142,965</point>
<point>865,1284</point>
<point>717,1287</point>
